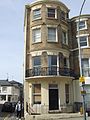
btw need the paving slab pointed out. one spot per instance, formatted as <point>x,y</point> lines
<point>56,116</point>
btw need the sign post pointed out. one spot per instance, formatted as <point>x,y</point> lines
<point>83,93</point>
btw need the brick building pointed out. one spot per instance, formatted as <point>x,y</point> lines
<point>51,58</point>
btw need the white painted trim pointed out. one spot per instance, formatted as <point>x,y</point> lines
<point>36,53</point>
<point>86,41</point>
<point>81,19</point>
<point>36,27</point>
<point>50,52</point>
<point>53,26</point>
<point>36,7</point>
<point>81,35</point>
<point>51,6</point>
<point>82,28</point>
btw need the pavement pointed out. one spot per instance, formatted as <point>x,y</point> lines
<point>56,116</point>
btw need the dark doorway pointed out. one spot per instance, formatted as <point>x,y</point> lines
<point>53,99</point>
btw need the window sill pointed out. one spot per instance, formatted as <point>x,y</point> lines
<point>51,18</point>
<point>36,19</point>
<point>36,42</point>
<point>52,41</point>
<point>82,29</point>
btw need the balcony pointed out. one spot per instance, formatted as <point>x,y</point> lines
<point>48,71</point>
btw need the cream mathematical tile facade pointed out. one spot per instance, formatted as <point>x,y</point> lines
<point>50,66</point>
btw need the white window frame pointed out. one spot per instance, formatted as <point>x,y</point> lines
<point>83,27</point>
<point>36,14</point>
<point>56,40</point>
<point>83,35</point>
<point>33,34</point>
<point>55,12</point>
<point>65,41</point>
<point>4,89</point>
<point>86,41</point>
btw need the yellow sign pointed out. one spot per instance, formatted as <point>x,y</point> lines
<point>82,79</point>
<point>83,92</point>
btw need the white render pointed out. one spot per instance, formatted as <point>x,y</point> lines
<point>11,91</point>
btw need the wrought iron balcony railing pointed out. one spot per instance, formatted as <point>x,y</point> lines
<point>47,71</point>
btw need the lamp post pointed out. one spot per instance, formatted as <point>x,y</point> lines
<point>79,48</point>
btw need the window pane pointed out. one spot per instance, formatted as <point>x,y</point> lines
<point>65,62</point>
<point>51,12</point>
<point>37,93</point>
<point>81,24</point>
<point>62,15</point>
<point>83,41</point>
<point>36,61</point>
<point>37,88</point>
<point>36,66</point>
<point>3,97</point>
<point>52,63</point>
<point>36,13</point>
<point>36,35</point>
<point>52,60</point>
<point>67,92</point>
<point>52,34</point>
<point>85,66</point>
<point>37,99</point>
<point>64,37</point>
<point>4,89</point>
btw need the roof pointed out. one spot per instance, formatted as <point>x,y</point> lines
<point>36,2</point>
<point>15,82</point>
<point>10,83</point>
<point>5,83</point>
<point>81,16</point>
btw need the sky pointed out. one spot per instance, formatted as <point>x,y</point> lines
<point>12,34</point>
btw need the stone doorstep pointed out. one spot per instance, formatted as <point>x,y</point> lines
<point>56,116</point>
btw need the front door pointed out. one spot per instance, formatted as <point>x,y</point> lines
<point>53,99</point>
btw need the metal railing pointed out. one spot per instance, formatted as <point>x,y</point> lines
<point>47,71</point>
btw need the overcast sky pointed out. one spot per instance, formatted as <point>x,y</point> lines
<point>12,35</point>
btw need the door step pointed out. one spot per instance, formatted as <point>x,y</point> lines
<point>54,111</point>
